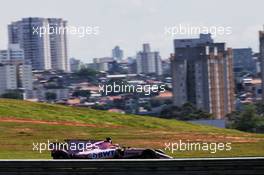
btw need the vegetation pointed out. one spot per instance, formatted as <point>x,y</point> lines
<point>24,123</point>
<point>260,109</point>
<point>117,69</point>
<point>13,95</point>
<point>50,96</point>
<point>81,93</point>
<point>186,112</point>
<point>86,72</point>
<point>251,119</point>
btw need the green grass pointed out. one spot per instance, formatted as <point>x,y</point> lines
<point>128,130</point>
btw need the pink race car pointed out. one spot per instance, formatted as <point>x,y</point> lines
<point>104,149</point>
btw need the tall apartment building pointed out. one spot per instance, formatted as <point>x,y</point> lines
<point>46,51</point>
<point>75,65</point>
<point>15,76</point>
<point>202,74</point>
<point>117,53</point>
<point>14,52</point>
<point>15,73</point>
<point>261,57</point>
<point>58,45</point>
<point>8,78</point>
<point>102,64</point>
<point>243,60</point>
<point>148,62</point>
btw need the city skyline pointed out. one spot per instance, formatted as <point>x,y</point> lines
<point>116,18</point>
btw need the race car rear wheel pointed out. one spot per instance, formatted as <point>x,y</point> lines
<point>148,154</point>
<point>60,155</point>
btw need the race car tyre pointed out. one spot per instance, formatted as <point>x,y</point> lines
<point>60,155</point>
<point>148,154</point>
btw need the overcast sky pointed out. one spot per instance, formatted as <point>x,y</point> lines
<point>129,23</point>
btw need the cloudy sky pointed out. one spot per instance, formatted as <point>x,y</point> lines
<point>129,23</point>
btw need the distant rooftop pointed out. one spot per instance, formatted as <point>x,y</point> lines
<point>203,38</point>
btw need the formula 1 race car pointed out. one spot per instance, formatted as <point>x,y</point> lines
<point>104,149</point>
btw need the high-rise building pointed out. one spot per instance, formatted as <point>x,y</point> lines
<point>148,62</point>
<point>243,60</point>
<point>102,64</point>
<point>58,45</point>
<point>75,65</point>
<point>45,51</point>
<point>36,48</point>
<point>15,74</point>
<point>202,74</point>
<point>8,78</point>
<point>14,52</point>
<point>261,57</point>
<point>117,53</point>
<point>25,78</point>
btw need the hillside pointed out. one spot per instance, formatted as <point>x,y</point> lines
<point>22,123</point>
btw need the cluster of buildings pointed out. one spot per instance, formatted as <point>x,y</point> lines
<point>216,79</point>
<point>29,51</point>
<point>145,62</point>
<point>45,52</point>
<point>205,73</point>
